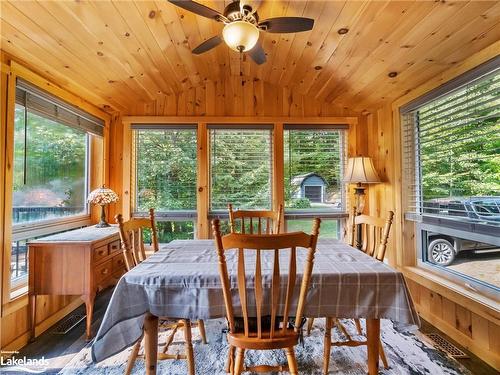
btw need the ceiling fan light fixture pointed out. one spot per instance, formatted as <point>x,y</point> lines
<point>240,36</point>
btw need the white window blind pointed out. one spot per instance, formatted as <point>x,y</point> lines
<point>44,104</point>
<point>451,155</point>
<point>165,168</point>
<point>240,166</point>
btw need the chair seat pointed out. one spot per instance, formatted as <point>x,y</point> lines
<point>281,339</point>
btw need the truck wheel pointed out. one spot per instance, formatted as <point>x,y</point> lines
<point>441,252</point>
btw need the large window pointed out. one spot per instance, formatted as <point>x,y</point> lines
<point>50,169</point>
<point>452,168</point>
<point>240,167</point>
<point>50,162</point>
<point>165,168</point>
<point>313,167</point>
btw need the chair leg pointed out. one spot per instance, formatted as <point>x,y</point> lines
<point>292,362</point>
<point>240,361</point>
<point>382,354</point>
<point>358,326</point>
<point>310,322</point>
<point>327,344</point>
<point>133,356</point>
<point>230,360</point>
<point>201,326</point>
<point>170,338</point>
<point>189,346</point>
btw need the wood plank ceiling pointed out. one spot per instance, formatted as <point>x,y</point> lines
<point>120,53</point>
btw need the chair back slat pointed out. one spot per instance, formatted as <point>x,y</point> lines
<point>275,291</point>
<point>292,275</point>
<point>257,219</point>
<point>242,287</point>
<point>374,233</point>
<point>279,244</point>
<point>259,297</point>
<point>132,238</point>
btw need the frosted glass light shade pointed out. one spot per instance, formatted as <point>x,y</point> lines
<point>361,170</point>
<point>240,34</point>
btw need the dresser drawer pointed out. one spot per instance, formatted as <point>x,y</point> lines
<point>100,252</point>
<point>103,271</point>
<point>118,263</point>
<point>114,246</point>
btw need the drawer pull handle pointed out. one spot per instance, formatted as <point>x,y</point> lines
<point>100,252</point>
<point>104,271</point>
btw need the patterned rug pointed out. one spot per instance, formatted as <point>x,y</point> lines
<point>407,352</point>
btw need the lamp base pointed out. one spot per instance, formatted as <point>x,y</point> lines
<point>102,223</point>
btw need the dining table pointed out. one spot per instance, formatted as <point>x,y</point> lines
<point>182,280</point>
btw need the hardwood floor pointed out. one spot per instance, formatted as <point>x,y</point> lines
<point>60,349</point>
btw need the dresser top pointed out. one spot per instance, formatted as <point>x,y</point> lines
<point>87,234</point>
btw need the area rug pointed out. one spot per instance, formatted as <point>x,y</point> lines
<point>407,352</point>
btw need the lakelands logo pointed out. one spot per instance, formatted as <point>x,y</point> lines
<point>23,364</point>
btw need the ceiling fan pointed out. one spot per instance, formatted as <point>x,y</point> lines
<point>242,27</point>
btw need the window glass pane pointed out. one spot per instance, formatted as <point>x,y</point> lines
<point>240,162</point>
<point>166,170</point>
<point>50,162</point>
<point>313,170</point>
<point>328,228</point>
<point>19,260</point>
<point>475,259</point>
<point>459,139</point>
<point>452,153</point>
<point>172,230</point>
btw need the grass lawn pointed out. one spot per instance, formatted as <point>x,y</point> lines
<point>328,228</point>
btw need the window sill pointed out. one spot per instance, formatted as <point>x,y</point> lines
<point>479,304</point>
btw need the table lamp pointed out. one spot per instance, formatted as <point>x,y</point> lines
<point>360,170</point>
<point>102,197</point>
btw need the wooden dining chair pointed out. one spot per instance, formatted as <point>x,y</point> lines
<point>373,241</point>
<point>134,252</point>
<point>266,221</point>
<point>256,330</point>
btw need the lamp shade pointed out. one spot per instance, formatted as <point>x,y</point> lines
<point>102,196</point>
<point>240,35</point>
<point>361,170</point>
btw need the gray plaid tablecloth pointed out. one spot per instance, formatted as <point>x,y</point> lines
<point>182,281</point>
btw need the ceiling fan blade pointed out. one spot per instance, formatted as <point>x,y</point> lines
<point>257,54</point>
<point>208,45</point>
<point>198,8</point>
<point>287,24</point>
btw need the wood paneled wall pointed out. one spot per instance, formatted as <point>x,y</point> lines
<point>465,316</point>
<point>238,96</point>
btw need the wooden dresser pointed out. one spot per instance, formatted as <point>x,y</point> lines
<point>78,262</point>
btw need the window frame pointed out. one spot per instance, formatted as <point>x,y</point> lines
<point>203,214</point>
<point>27,230</point>
<point>14,295</point>
<point>465,228</point>
<point>170,215</point>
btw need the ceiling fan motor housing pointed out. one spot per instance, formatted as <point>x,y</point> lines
<point>237,12</point>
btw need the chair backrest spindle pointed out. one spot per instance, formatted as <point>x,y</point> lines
<point>256,218</point>
<point>132,238</point>
<point>374,233</point>
<point>257,245</point>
